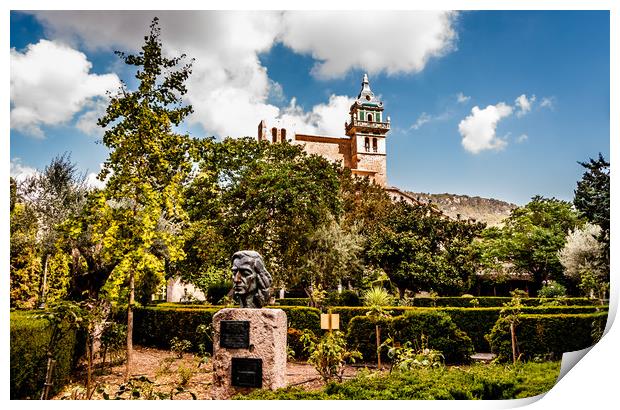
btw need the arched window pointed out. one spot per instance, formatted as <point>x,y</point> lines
<point>367,144</point>
<point>370,117</point>
<point>283,134</point>
<point>374,145</point>
<point>274,134</point>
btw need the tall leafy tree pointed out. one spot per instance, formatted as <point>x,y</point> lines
<point>531,237</point>
<point>53,196</point>
<point>147,165</point>
<point>421,249</point>
<point>592,198</point>
<point>25,264</point>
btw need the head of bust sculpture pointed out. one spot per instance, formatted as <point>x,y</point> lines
<point>251,280</point>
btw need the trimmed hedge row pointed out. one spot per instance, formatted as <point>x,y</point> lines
<point>547,336</point>
<point>29,340</point>
<point>156,326</point>
<point>159,327</point>
<point>293,302</point>
<point>455,301</point>
<point>441,333</point>
<point>494,301</point>
<point>476,322</point>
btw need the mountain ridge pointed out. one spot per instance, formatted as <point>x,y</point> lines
<point>488,210</point>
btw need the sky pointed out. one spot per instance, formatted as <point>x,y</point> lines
<point>498,104</point>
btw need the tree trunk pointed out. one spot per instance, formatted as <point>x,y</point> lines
<point>44,285</point>
<point>48,378</point>
<point>513,338</point>
<point>378,336</point>
<point>130,326</point>
<point>89,366</point>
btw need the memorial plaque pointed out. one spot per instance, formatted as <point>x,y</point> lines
<point>235,334</point>
<point>247,372</point>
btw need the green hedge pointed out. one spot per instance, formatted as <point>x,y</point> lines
<point>29,339</point>
<point>481,382</point>
<point>547,336</point>
<point>492,301</point>
<point>156,326</point>
<point>441,332</point>
<point>293,302</point>
<point>476,322</point>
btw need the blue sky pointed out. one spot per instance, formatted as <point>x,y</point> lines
<point>498,104</point>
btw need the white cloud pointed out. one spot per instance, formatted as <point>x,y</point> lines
<point>229,88</point>
<point>87,122</point>
<point>325,119</point>
<point>524,104</point>
<point>50,83</point>
<point>20,171</point>
<point>92,181</point>
<point>522,138</point>
<point>462,98</point>
<point>422,119</point>
<point>375,41</point>
<point>478,129</point>
<point>548,102</point>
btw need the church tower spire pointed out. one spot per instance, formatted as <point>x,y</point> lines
<point>368,130</point>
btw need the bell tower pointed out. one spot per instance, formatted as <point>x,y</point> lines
<point>367,128</point>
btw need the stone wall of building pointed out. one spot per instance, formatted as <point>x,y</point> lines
<point>331,148</point>
<point>179,291</point>
<point>375,163</point>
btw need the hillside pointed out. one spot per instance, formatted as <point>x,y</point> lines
<point>489,210</point>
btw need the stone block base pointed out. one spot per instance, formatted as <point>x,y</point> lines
<point>267,342</point>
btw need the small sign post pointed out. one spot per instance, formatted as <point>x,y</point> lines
<point>330,321</point>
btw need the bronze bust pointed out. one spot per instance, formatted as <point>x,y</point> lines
<point>251,281</point>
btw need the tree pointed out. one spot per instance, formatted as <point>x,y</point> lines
<point>270,198</point>
<point>53,196</point>
<point>147,166</point>
<point>25,264</point>
<point>581,258</point>
<point>531,238</point>
<point>334,252</point>
<point>593,201</point>
<point>421,249</point>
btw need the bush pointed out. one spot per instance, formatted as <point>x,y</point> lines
<point>489,301</point>
<point>217,291</point>
<point>437,327</point>
<point>293,302</point>
<point>346,298</point>
<point>300,317</point>
<point>546,336</point>
<point>293,341</point>
<point>552,290</point>
<point>482,382</point>
<point>377,297</point>
<point>113,340</point>
<point>156,326</point>
<point>329,354</point>
<point>29,340</point>
<point>476,322</point>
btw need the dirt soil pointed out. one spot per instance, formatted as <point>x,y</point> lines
<point>167,371</point>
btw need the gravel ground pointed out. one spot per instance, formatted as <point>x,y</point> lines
<point>166,371</point>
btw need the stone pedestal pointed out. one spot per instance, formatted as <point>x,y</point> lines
<point>264,352</point>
